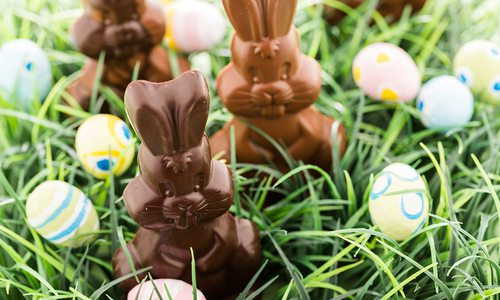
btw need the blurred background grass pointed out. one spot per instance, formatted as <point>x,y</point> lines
<point>319,241</point>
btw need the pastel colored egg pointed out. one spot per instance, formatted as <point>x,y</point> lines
<point>62,214</point>
<point>193,25</point>
<point>104,145</point>
<point>25,73</point>
<point>477,64</point>
<point>178,290</point>
<point>386,72</point>
<point>398,201</point>
<point>445,103</point>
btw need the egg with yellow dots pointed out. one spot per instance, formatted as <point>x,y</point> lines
<point>398,203</point>
<point>386,72</point>
<point>62,214</point>
<point>105,146</point>
<point>477,65</point>
<point>193,25</point>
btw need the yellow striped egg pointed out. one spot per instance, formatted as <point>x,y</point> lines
<point>398,201</point>
<point>62,214</point>
<point>193,25</point>
<point>104,144</point>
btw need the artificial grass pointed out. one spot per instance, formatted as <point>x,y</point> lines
<point>318,241</point>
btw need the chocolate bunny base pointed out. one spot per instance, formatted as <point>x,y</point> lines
<point>225,283</point>
<point>314,145</point>
<point>117,74</point>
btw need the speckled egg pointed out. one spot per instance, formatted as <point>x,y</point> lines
<point>477,64</point>
<point>193,25</point>
<point>398,201</point>
<point>178,290</point>
<point>25,72</point>
<point>445,103</point>
<point>62,214</point>
<point>104,145</point>
<point>386,72</point>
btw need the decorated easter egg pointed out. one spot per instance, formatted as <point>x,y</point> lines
<point>445,103</point>
<point>104,145</point>
<point>386,72</point>
<point>178,290</point>
<point>62,214</point>
<point>477,64</point>
<point>398,201</point>
<point>25,73</point>
<point>193,25</point>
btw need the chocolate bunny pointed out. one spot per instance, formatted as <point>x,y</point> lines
<point>182,196</point>
<point>271,85</point>
<point>129,32</point>
<point>386,8</point>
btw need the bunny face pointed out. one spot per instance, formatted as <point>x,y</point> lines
<point>269,76</point>
<point>207,199</point>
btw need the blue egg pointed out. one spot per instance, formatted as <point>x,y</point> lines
<point>25,73</point>
<point>445,103</point>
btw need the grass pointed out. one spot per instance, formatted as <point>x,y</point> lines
<point>318,241</point>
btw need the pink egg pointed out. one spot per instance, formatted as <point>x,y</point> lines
<point>193,25</point>
<point>178,290</point>
<point>386,72</point>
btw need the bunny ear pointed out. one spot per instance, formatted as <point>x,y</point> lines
<point>279,17</point>
<point>246,17</point>
<point>147,117</point>
<point>169,117</point>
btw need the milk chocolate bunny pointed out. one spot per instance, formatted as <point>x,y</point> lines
<point>392,8</point>
<point>181,198</point>
<point>271,85</point>
<point>129,32</point>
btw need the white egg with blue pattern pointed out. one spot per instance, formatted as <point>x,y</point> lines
<point>398,204</point>
<point>445,103</point>
<point>25,72</point>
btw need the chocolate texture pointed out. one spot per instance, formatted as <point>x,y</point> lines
<point>271,85</point>
<point>387,8</point>
<point>129,33</point>
<point>181,197</point>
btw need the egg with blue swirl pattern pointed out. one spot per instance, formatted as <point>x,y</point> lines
<point>104,145</point>
<point>398,204</point>
<point>62,214</point>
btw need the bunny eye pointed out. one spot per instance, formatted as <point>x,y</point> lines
<point>199,182</point>
<point>286,71</point>
<point>167,189</point>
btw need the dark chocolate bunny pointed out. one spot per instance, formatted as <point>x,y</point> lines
<point>129,32</point>
<point>272,85</point>
<point>182,196</point>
